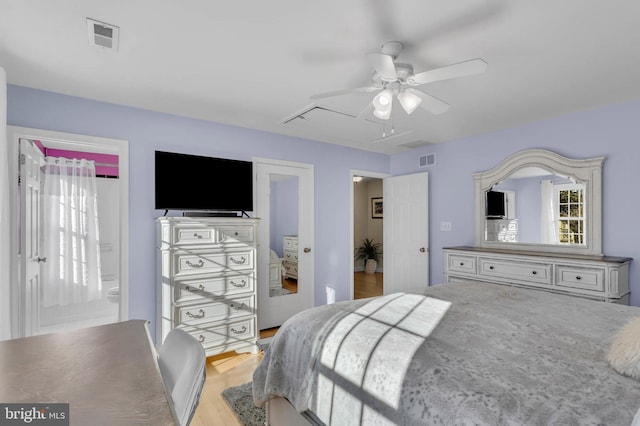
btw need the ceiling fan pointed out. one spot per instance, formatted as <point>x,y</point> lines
<point>396,79</point>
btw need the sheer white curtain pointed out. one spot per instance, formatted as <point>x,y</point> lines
<point>5,220</point>
<point>548,213</point>
<point>70,238</point>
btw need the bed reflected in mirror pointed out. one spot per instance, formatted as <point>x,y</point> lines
<point>283,235</point>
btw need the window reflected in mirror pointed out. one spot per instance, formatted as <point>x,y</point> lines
<point>570,212</point>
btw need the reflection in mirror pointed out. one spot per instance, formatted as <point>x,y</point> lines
<point>548,203</point>
<point>283,235</point>
<point>535,206</point>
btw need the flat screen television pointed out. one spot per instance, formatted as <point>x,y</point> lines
<point>496,207</point>
<point>198,183</point>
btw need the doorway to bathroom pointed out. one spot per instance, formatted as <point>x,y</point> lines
<point>70,232</point>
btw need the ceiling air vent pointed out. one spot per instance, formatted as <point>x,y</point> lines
<point>102,34</point>
<point>427,160</point>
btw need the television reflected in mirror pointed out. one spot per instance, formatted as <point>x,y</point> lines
<point>496,206</point>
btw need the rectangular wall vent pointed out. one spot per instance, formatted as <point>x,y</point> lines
<point>427,160</point>
<point>103,34</point>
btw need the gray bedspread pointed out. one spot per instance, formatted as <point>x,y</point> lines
<point>466,353</point>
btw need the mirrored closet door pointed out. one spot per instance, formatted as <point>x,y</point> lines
<point>284,204</point>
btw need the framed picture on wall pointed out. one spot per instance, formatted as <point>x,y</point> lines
<point>376,208</point>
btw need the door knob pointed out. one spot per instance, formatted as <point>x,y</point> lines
<point>307,249</point>
<point>422,250</point>
<point>41,259</point>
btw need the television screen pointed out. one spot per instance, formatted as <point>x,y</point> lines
<point>495,204</point>
<point>193,182</point>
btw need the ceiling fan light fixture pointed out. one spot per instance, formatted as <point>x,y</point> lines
<point>382,114</point>
<point>409,101</point>
<point>382,100</point>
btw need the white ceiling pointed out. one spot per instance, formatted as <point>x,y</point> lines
<point>255,63</point>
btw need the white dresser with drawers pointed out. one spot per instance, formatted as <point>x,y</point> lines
<point>207,279</point>
<point>290,256</point>
<point>505,230</point>
<point>603,278</point>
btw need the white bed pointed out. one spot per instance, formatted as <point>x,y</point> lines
<point>467,353</point>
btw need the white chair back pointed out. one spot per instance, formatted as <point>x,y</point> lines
<point>182,363</point>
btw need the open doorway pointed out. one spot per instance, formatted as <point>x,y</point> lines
<point>367,231</point>
<point>91,287</point>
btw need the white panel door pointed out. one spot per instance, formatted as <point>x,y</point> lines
<point>406,233</point>
<point>284,204</point>
<point>31,159</point>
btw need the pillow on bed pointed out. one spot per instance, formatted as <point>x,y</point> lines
<point>624,355</point>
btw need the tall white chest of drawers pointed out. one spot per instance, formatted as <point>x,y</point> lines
<point>290,250</point>
<point>207,281</point>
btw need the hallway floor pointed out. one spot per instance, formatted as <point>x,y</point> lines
<point>367,285</point>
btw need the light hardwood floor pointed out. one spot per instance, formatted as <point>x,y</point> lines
<point>367,285</point>
<point>232,369</point>
<point>225,371</point>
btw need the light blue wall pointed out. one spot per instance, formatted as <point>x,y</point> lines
<point>148,131</point>
<point>529,210</point>
<point>612,131</point>
<point>284,212</point>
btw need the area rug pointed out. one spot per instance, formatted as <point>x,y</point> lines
<point>240,399</point>
<point>263,344</point>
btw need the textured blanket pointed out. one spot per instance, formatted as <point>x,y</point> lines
<point>464,353</point>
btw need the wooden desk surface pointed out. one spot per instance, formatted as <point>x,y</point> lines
<point>108,374</point>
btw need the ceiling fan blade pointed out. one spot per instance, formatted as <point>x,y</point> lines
<point>383,64</point>
<point>462,69</point>
<point>367,89</point>
<point>430,103</point>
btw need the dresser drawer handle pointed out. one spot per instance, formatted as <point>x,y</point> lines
<point>534,272</point>
<point>461,263</point>
<point>199,315</point>
<point>491,267</point>
<point>195,290</point>
<point>201,338</point>
<point>225,236</point>
<point>238,262</point>
<point>243,283</point>
<point>200,264</point>
<point>241,331</point>
<point>578,277</point>
<point>195,234</point>
<point>237,307</point>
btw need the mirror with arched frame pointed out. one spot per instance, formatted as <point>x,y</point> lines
<point>538,200</point>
